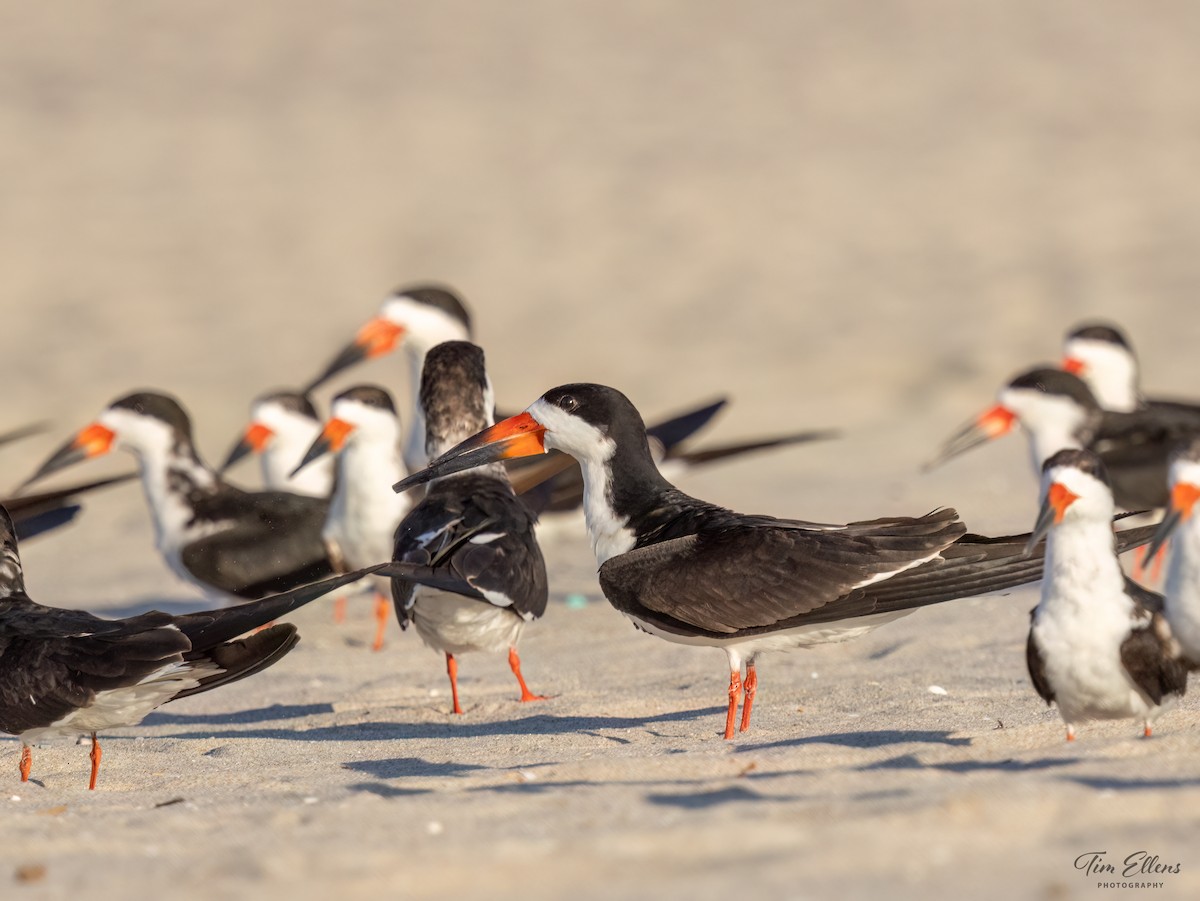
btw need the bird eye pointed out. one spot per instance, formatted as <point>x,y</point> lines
<point>568,403</point>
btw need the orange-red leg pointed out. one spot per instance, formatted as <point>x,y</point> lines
<point>95,756</point>
<point>452,672</point>
<point>1147,732</point>
<point>1070,733</point>
<point>735,694</point>
<point>1151,569</point>
<point>339,610</point>
<point>383,610</point>
<point>514,662</point>
<point>751,690</point>
<point>1157,564</point>
<point>26,762</point>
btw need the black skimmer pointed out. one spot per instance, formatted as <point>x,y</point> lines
<point>363,435</point>
<point>1058,411</point>
<point>1182,586</point>
<point>419,317</point>
<point>471,528</point>
<point>34,514</point>
<point>1101,355</point>
<point>695,573</point>
<point>283,425</point>
<point>235,544</point>
<point>1099,646</point>
<point>67,673</point>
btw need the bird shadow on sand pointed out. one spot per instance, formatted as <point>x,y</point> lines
<point>410,767</point>
<point>1114,783</point>
<point>274,713</point>
<point>1008,765</point>
<point>537,724</point>
<point>877,739</point>
<point>704,800</point>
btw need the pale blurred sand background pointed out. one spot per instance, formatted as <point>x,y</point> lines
<point>862,215</point>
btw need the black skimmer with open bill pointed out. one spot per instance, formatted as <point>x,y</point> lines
<point>363,435</point>
<point>421,316</point>
<point>471,528</point>
<point>1181,604</point>
<point>1099,646</point>
<point>1058,411</point>
<point>1101,355</point>
<point>283,424</point>
<point>695,573</point>
<point>68,673</point>
<point>233,544</point>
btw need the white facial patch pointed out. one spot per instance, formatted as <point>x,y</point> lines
<point>1052,421</point>
<point>423,325</point>
<point>609,532</point>
<point>1094,500</point>
<point>1109,370</point>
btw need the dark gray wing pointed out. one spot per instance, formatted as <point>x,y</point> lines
<point>757,576</point>
<point>1037,666</point>
<point>1148,659</point>
<point>53,662</point>
<point>273,543</point>
<point>478,540</point>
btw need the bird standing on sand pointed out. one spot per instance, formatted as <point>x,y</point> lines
<point>471,528</point>
<point>363,435</point>
<point>1058,412</point>
<point>1181,588</point>
<point>1099,646</point>
<point>66,672</point>
<point>234,545</point>
<point>694,573</point>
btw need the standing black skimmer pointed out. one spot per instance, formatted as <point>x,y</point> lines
<point>695,573</point>
<point>419,317</point>
<point>364,436</point>
<point>67,673</point>
<point>34,514</point>
<point>471,528</point>
<point>1182,587</point>
<point>1099,646</point>
<point>283,425</point>
<point>1101,355</point>
<point>1058,411</point>
<point>233,544</point>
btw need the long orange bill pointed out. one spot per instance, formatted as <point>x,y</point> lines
<point>517,436</point>
<point>89,442</point>
<point>254,441</point>
<point>1073,365</point>
<point>330,441</point>
<point>376,338</point>
<point>995,422</point>
<point>1054,507</point>
<point>1183,502</point>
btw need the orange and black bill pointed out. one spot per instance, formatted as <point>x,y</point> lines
<point>517,436</point>
<point>253,441</point>
<point>1054,507</point>
<point>995,422</point>
<point>88,442</point>
<point>331,440</point>
<point>378,337</point>
<point>1183,502</point>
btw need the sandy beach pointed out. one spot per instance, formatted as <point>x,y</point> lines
<point>854,216</point>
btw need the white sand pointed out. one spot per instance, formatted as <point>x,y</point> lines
<point>854,215</point>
